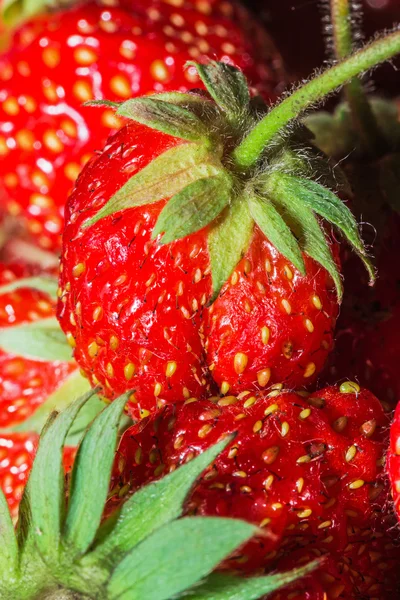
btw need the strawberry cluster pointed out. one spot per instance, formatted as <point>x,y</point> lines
<point>213,280</point>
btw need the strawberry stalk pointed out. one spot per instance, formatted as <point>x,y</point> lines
<point>341,16</point>
<point>252,147</point>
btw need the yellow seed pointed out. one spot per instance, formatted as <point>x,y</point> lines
<point>72,319</point>
<point>51,57</point>
<point>171,368</point>
<point>325,524</point>
<point>268,482</point>
<point>227,401</point>
<point>71,339</point>
<point>120,86</point>
<point>241,474</point>
<point>270,455</point>
<point>309,325</point>
<point>304,514</point>
<point>110,370</point>
<point>265,522</point>
<point>316,302</point>
<point>249,402</point>
<point>52,141</point>
<point>304,459</point>
<point>350,454</point>
<point>85,56</point>
<point>240,362</point>
<point>159,71</point>
<point>328,540</point>
<point>143,413</point>
<point>225,387</point>
<point>288,272</point>
<point>265,334</point>
<point>285,429</point>
<point>157,389</point>
<point>263,377</point>
<point>305,413</point>
<point>233,452</point>
<point>93,349</point>
<point>310,369</point>
<point>257,426</point>
<point>300,485</point>
<point>114,342</point>
<point>271,409</point>
<point>205,430</point>
<point>78,269</point>
<point>286,305</point>
<point>178,442</point>
<point>97,313</point>
<point>349,387</point>
<point>129,371</point>
<point>234,278</point>
<point>355,485</point>
<point>276,506</point>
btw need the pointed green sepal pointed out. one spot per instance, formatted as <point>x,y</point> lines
<point>176,556</point>
<point>152,506</point>
<point>40,340</point>
<point>194,207</point>
<point>304,224</point>
<point>104,103</point>
<point>228,241</point>
<point>48,285</point>
<point>327,205</point>
<point>90,479</point>
<point>165,176</point>
<point>167,117</point>
<point>45,489</point>
<point>226,85</point>
<point>218,586</point>
<point>8,544</point>
<point>276,230</point>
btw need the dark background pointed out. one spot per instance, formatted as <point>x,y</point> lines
<point>296,26</point>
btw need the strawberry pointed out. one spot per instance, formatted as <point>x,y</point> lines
<point>393,460</point>
<point>233,283</point>
<point>94,50</point>
<point>307,469</point>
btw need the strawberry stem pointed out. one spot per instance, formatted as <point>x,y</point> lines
<point>363,118</point>
<point>251,148</point>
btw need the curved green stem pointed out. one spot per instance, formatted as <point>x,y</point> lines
<point>251,148</point>
<point>363,118</point>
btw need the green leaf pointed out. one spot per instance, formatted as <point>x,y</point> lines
<point>218,586</point>
<point>8,543</point>
<point>228,241</point>
<point>165,176</point>
<point>48,285</point>
<point>194,207</point>
<point>167,117</point>
<point>13,12</point>
<point>153,506</point>
<point>103,102</point>
<point>176,556</point>
<point>305,226</point>
<point>90,479</point>
<point>275,229</point>
<point>39,340</point>
<point>46,482</point>
<point>226,85</point>
<point>327,205</point>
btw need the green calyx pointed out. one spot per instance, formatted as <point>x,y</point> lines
<point>237,166</point>
<point>63,547</point>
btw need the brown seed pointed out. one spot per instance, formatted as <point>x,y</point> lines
<point>287,349</point>
<point>340,424</point>
<point>270,455</point>
<point>317,402</point>
<point>368,428</point>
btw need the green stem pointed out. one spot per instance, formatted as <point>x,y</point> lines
<point>251,148</point>
<point>363,118</point>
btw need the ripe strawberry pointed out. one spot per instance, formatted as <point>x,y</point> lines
<point>132,302</point>
<point>59,61</point>
<point>309,470</point>
<point>393,459</point>
<point>25,384</point>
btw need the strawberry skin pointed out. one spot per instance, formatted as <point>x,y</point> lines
<point>131,307</point>
<point>393,459</point>
<point>309,470</point>
<point>24,383</point>
<point>58,62</point>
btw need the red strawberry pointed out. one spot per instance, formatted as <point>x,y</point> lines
<point>59,61</point>
<point>393,459</point>
<point>307,469</point>
<point>17,452</point>
<point>140,270</point>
